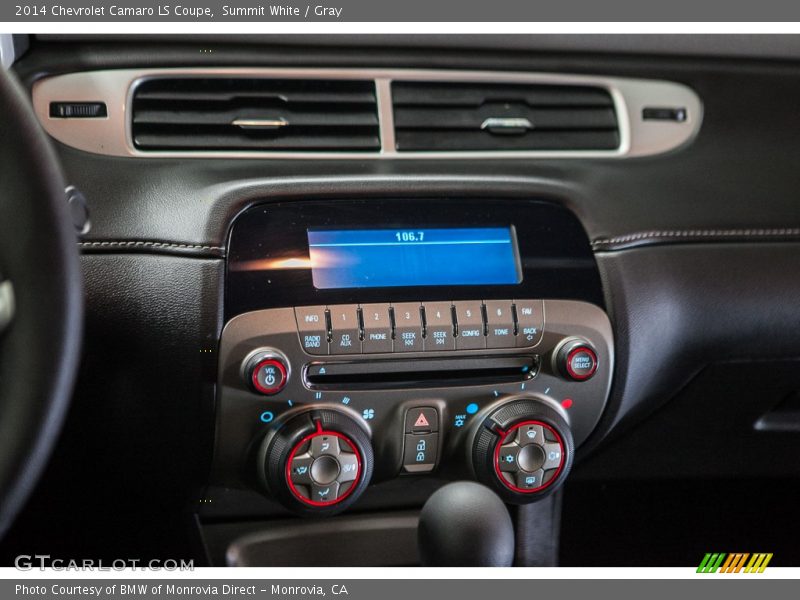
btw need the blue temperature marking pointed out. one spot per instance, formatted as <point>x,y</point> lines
<point>267,416</point>
<point>472,408</point>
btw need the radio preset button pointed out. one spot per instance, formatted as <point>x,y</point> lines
<point>377,328</point>
<point>469,320</point>
<point>407,327</point>
<point>313,328</point>
<point>439,330</point>
<point>499,324</point>
<point>530,322</point>
<point>345,338</point>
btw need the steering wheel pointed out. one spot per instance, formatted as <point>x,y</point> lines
<point>41,300</point>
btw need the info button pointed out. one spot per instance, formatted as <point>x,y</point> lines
<point>313,329</point>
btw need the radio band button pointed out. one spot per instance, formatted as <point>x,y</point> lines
<point>313,329</point>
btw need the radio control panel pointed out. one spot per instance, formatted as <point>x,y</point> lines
<point>312,399</point>
<point>392,339</point>
<point>419,326</point>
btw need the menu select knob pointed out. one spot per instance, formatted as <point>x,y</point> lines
<point>318,462</point>
<point>576,360</point>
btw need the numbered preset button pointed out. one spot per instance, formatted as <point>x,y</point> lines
<point>469,320</point>
<point>499,324</point>
<point>345,331</point>
<point>439,329</point>
<point>377,328</point>
<point>407,327</point>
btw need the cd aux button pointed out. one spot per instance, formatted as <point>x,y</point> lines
<point>344,329</point>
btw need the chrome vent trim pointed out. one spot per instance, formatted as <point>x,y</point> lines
<point>112,136</point>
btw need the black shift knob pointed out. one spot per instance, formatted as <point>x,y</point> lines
<point>465,524</point>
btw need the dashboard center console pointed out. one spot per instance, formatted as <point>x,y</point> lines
<point>369,340</point>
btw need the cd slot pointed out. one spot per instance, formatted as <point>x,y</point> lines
<point>420,372</point>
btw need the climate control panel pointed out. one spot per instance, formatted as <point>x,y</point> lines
<point>317,402</point>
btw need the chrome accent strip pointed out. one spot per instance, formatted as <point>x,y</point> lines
<point>260,123</point>
<point>506,123</point>
<point>6,304</point>
<point>112,135</point>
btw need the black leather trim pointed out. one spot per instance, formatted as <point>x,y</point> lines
<point>676,309</point>
<point>151,247</point>
<point>695,236</point>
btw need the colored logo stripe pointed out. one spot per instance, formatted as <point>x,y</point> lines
<point>734,562</point>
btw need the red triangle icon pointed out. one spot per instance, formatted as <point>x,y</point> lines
<point>422,421</point>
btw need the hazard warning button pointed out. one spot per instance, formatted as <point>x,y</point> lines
<point>422,419</point>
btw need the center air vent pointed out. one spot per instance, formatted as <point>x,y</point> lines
<point>479,117</point>
<point>216,113</point>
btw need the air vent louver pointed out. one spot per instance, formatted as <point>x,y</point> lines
<point>280,115</point>
<point>452,117</point>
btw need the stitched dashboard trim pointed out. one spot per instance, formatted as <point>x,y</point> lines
<point>693,236</point>
<point>153,246</point>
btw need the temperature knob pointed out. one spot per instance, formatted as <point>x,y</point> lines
<point>523,449</point>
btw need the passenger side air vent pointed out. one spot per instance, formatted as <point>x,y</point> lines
<point>254,114</point>
<point>453,117</point>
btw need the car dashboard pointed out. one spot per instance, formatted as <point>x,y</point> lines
<point>325,277</point>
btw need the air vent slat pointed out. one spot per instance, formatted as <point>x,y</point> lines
<point>423,118</point>
<point>219,113</point>
<point>494,117</point>
<point>306,119</point>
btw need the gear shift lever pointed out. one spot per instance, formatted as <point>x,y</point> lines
<point>465,524</point>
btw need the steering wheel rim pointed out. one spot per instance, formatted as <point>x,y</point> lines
<point>39,263</point>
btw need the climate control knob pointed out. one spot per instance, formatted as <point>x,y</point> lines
<point>318,462</point>
<point>523,449</point>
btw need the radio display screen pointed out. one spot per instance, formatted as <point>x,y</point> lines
<point>367,258</point>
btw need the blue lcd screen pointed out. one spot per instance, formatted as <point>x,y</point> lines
<point>365,258</point>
